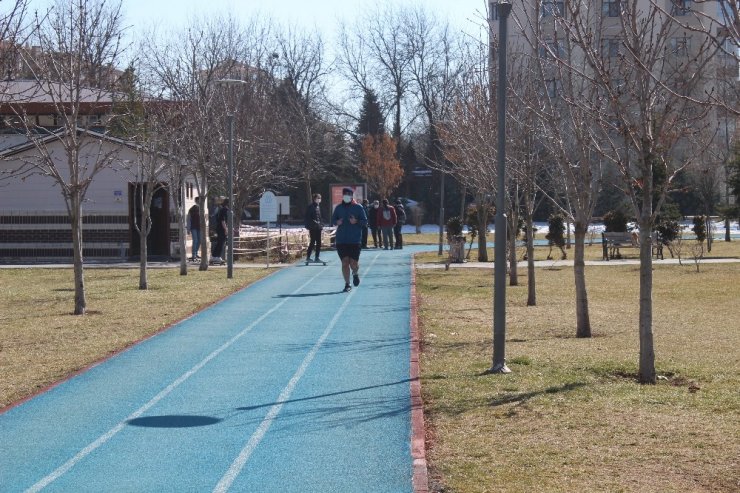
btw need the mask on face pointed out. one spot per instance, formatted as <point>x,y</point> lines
<point>347,199</point>
<point>376,205</point>
<point>318,201</point>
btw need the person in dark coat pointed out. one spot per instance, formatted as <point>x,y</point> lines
<point>400,221</point>
<point>349,218</point>
<point>372,222</point>
<point>194,228</point>
<point>366,206</point>
<point>314,225</point>
<point>222,217</point>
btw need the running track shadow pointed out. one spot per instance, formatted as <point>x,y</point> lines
<point>173,421</point>
<point>307,295</point>
<point>316,415</point>
<point>329,394</point>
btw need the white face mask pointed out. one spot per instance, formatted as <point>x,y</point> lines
<point>347,199</point>
<point>318,201</point>
<point>375,206</point>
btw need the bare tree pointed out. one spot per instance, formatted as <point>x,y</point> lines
<point>468,136</point>
<point>13,33</point>
<point>184,67</point>
<point>718,23</point>
<point>79,43</point>
<point>527,159</point>
<point>565,135</point>
<point>303,66</point>
<point>374,55</point>
<point>649,77</point>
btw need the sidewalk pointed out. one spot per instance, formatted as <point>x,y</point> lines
<point>289,385</point>
<point>549,264</point>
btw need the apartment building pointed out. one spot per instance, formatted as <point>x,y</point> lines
<point>680,39</point>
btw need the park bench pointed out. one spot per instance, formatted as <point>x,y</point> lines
<point>612,242</point>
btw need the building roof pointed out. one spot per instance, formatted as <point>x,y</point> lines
<point>32,91</point>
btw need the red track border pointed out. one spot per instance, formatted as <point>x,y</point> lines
<point>418,435</point>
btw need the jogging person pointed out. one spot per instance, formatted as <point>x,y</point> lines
<point>350,219</point>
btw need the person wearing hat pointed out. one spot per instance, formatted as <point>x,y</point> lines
<point>350,219</point>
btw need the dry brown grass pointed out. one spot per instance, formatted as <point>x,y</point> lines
<point>571,416</point>
<point>41,341</point>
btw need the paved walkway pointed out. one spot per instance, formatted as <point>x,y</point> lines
<point>289,385</point>
<point>569,263</point>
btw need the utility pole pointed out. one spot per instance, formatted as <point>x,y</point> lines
<point>499,285</point>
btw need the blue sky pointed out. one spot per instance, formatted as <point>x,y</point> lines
<point>324,15</point>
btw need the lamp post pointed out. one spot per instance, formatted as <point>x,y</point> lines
<point>230,183</point>
<point>499,285</point>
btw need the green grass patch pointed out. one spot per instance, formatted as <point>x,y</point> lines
<point>571,416</point>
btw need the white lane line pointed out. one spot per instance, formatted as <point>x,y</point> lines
<point>236,467</point>
<point>61,470</point>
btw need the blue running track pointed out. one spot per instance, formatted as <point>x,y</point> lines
<point>289,385</point>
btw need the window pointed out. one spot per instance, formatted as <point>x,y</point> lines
<point>680,7</point>
<point>724,11</point>
<point>610,47</point>
<point>680,46</point>
<point>729,49</point>
<point>493,10</point>
<point>611,8</point>
<point>551,48</point>
<point>549,8</point>
<point>553,88</point>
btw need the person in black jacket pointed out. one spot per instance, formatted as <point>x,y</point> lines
<point>366,206</point>
<point>400,221</point>
<point>314,225</point>
<point>372,222</point>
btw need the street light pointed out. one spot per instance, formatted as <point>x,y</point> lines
<point>499,285</point>
<point>230,183</point>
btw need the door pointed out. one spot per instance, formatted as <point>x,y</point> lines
<point>158,241</point>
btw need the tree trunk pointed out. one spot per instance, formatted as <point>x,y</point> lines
<point>727,229</point>
<point>531,291</point>
<point>309,192</point>
<point>647,352</point>
<point>482,233</point>
<point>710,238</point>
<point>204,227</point>
<point>181,220</point>
<point>583,323</point>
<point>513,268</point>
<point>76,219</point>
<point>145,226</point>
<point>143,255</point>
<point>462,203</point>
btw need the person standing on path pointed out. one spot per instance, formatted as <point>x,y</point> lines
<point>366,206</point>
<point>386,222</point>
<point>372,222</point>
<point>314,225</point>
<point>400,221</point>
<point>194,227</point>
<point>222,218</point>
<point>349,218</point>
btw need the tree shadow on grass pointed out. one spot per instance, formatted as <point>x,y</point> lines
<point>523,397</point>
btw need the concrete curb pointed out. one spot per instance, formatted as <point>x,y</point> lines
<point>418,432</point>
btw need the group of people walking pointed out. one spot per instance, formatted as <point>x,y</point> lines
<point>384,222</point>
<point>355,222</point>
<point>220,218</point>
